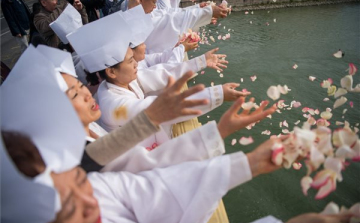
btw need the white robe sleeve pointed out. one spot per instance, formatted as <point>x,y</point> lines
<point>188,192</point>
<point>169,26</point>
<point>201,143</point>
<point>175,55</point>
<point>155,78</point>
<point>183,193</point>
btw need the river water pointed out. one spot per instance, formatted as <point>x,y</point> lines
<point>306,36</point>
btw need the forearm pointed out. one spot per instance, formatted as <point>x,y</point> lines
<point>117,142</point>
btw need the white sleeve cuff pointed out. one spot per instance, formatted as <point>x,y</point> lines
<point>217,96</point>
<point>212,140</point>
<point>240,169</point>
<point>200,62</point>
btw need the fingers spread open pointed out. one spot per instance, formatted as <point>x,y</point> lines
<point>234,109</point>
<point>193,103</point>
<point>188,111</point>
<point>245,112</point>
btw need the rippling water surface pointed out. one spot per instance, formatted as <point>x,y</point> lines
<point>307,37</point>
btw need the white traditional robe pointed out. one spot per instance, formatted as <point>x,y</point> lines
<point>188,192</point>
<point>175,55</point>
<point>168,26</point>
<point>111,97</point>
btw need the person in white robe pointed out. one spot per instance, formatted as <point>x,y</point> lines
<point>182,193</point>
<point>88,113</point>
<point>123,91</point>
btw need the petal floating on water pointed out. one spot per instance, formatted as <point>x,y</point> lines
<point>306,184</point>
<point>273,93</point>
<point>352,69</point>
<point>340,92</point>
<point>347,82</point>
<point>331,208</point>
<point>233,142</point>
<point>342,100</point>
<point>312,78</point>
<point>246,141</point>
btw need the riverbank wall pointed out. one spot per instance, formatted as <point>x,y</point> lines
<point>245,5</point>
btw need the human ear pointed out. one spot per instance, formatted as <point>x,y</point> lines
<point>110,73</point>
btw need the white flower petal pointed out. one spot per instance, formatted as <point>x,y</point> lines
<point>273,93</point>
<point>347,82</point>
<point>342,100</point>
<point>331,208</point>
<point>340,92</point>
<point>246,141</point>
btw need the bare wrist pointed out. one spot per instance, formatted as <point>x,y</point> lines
<point>253,164</point>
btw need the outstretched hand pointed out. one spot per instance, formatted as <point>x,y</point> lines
<point>189,46</point>
<point>231,121</point>
<point>215,61</point>
<point>172,103</point>
<point>230,94</point>
<point>219,12</point>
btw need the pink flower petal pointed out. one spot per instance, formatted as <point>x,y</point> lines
<point>277,154</point>
<point>233,142</point>
<point>285,124</point>
<point>202,72</point>
<point>253,78</point>
<point>295,66</point>
<point>352,69</point>
<point>326,83</point>
<point>321,178</point>
<point>266,132</point>
<point>246,141</point>
<point>351,104</point>
<point>325,190</point>
<point>297,166</point>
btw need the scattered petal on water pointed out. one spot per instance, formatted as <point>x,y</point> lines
<point>305,184</point>
<point>233,142</point>
<point>331,90</point>
<point>331,208</point>
<point>253,78</point>
<point>352,69</point>
<point>266,132</point>
<point>326,115</point>
<point>312,78</point>
<point>344,111</point>
<point>297,166</point>
<point>241,80</point>
<point>340,92</point>
<point>351,104</point>
<point>273,93</point>
<point>221,75</point>
<point>297,122</point>
<point>212,38</point>
<point>338,54</point>
<point>326,99</point>
<point>202,72</point>
<point>342,100</point>
<point>295,66</point>
<point>246,141</point>
<point>248,105</point>
<point>274,20</point>
<point>326,83</point>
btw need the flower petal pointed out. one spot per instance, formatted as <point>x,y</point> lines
<point>253,78</point>
<point>277,154</point>
<point>312,78</point>
<point>338,54</point>
<point>352,69</point>
<point>326,115</point>
<point>331,208</point>
<point>273,93</point>
<point>246,141</point>
<point>331,90</point>
<point>321,179</point>
<point>342,100</point>
<point>305,184</point>
<point>347,82</point>
<point>248,105</point>
<point>355,210</point>
<point>233,142</point>
<point>340,92</point>
<point>325,190</point>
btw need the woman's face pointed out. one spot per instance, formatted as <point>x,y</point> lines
<point>126,71</point>
<point>78,204</point>
<point>139,52</point>
<point>82,100</point>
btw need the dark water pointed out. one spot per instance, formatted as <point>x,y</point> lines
<point>308,37</point>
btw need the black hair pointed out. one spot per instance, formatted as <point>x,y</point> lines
<point>24,153</point>
<point>93,78</point>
